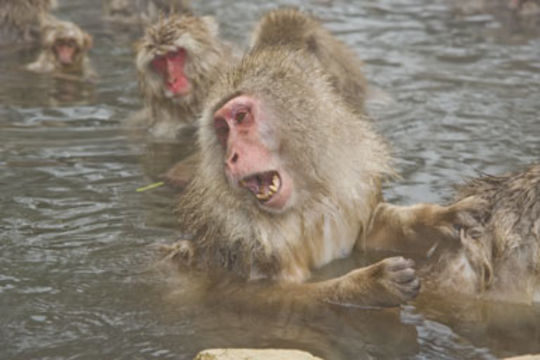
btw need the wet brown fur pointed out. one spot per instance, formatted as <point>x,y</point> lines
<point>207,56</point>
<point>47,61</point>
<point>499,256</point>
<point>20,20</point>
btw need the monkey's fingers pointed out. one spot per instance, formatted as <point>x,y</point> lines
<point>181,251</point>
<point>399,278</point>
<point>468,213</point>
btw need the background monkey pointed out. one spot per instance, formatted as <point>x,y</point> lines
<point>21,20</point>
<point>64,50</point>
<point>287,180</point>
<point>177,60</point>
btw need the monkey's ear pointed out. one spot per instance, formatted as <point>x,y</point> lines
<point>212,25</point>
<point>88,41</point>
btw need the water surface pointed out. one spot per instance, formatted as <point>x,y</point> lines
<point>77,276</point>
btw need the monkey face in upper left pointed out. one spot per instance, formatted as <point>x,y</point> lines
<point>64,50</point>
<point>177,60</point>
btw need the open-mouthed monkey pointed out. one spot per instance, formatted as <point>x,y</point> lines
<point>287,177</point>
<point>177,60</point>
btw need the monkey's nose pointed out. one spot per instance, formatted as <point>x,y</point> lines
<point>232,159</point>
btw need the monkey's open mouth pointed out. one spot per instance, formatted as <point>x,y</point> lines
<point>263,185</point>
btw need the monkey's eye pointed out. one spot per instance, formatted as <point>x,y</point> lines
<point>159,63</point>
<point>240,117</point>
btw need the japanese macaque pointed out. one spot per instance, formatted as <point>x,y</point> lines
<point>142,11</point>
<point>493,249</point>
<point>21,20</point>
<point>177,60</point>
<point>64,51</point>
<point>287,179</point>
<point>295,30</point>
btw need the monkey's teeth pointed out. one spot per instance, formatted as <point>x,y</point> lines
<point>262,196</point>
<point>275,183</point>
<point>263,185</point>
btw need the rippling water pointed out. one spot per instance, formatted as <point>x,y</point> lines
<point>461,91</point>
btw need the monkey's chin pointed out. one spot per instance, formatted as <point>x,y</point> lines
<point>178,97</point>
<point>278,203</point>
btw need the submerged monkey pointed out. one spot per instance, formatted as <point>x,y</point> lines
<point>64,51</point>
<point>177,60</point>
<point>288,176</point>
<point>21,20</point>
<point>492,252</point>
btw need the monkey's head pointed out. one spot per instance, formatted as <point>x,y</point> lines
<point>68,44</point>
<point>279,135</point>
<point>175,56</point>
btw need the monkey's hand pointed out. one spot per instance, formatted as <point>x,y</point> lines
<point>396,279</point>
<point>181,252</point>
<point>468,212</point>
<point>421,228</point>
<point>389,282</point>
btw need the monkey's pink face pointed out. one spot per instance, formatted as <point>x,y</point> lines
<point>250,161</point>
<point>65,51</point>
<point>171,68</point>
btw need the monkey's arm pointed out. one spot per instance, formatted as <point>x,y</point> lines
<point>419,228</point>
<point>389,282</point>
<point>42,65</point>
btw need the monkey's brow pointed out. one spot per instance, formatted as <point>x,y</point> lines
<point>226,99</point>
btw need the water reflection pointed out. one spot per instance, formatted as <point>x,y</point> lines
<point>77,276</point>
